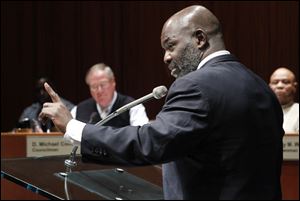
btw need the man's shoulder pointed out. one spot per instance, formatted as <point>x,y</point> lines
<point>31,111</point>
<point>89,101</point>
<point>124,98</point>
<point>33,106</point>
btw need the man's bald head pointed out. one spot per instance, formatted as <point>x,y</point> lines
<point>284,71</point>
<point>193,18</point>
<point>188,37</point>
<point>283,83</point>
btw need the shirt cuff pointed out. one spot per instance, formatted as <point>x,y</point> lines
<point>74,131</point>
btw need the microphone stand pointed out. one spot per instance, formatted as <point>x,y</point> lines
<point>69,163</point>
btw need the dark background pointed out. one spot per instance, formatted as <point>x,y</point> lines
<point>61,40</point>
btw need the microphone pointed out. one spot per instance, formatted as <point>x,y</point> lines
<point>157,93</point>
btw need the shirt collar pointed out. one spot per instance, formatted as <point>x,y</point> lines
<point>211,56</point>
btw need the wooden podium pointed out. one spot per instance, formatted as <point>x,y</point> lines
<point>16,146</point>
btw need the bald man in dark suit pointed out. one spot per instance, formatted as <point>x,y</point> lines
<point>219,134</point>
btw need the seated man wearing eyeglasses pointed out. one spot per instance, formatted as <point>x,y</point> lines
<point>105,100</point>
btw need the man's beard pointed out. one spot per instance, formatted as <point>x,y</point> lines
<point>187,62</point>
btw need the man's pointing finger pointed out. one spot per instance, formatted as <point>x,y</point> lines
<point>55,98</point>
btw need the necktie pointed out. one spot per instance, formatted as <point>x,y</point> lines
<point>104,113</point>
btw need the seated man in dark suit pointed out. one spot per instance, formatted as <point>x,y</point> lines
<point>30,113</point>
<point>101,81</point>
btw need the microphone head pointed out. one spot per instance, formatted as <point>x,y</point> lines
<point>159,92</point>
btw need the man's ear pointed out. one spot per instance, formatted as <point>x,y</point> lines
<point>114,83</point>
<point>201,37</point>
<point>295,84</point>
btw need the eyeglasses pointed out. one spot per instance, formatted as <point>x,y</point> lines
<point>102,85</point>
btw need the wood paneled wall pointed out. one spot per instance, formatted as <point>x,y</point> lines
<point>62,39</point>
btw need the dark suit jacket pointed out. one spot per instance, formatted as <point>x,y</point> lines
<point>219,136</point>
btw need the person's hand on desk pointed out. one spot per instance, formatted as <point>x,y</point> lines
<point>56,111</point>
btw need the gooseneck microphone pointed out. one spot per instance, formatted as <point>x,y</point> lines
<point>157,93</point>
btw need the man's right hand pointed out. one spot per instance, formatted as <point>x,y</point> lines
<point>56,111</point>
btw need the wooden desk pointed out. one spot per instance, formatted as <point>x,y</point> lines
<point>31,144</point>
<point>290,180</point>
<point>290,167</point>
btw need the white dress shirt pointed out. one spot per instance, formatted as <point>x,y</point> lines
<point>291,118</point>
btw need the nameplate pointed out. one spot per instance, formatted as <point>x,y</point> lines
<point>38,146</point>
<point>290,147</point>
